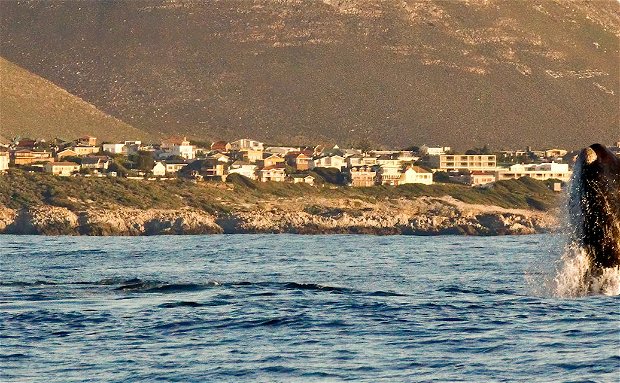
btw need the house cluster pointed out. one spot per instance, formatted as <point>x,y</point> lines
<point>176,157</point>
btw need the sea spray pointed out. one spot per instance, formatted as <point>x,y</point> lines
<point>577,272</point>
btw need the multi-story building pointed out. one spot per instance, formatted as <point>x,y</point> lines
<point>209,168</point>
<point>84,150</point>
<point>246,144</point>
<point>96,162</point>
<point>243,168</point>
<point>300,161</point>
<point>363,176</point>
<point>251,155</point>
<point>87,141</point>
<point>27,157</point>
<point>426,150</point>
<point>336,162</point>
<point>389,174</point>
<point>62,168</point>
<point>272,160</point>
<point>178,146</point>
<point>474,178</point>
<point>115,148</point>
<point>416,175</point>
<point>541,172</point>
<point>361,160</point>
<point>272,174</point>
<point>470,162</point>
<point>173,167</point>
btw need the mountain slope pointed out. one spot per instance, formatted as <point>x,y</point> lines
<point>31,106</point>
<point>396,73</point>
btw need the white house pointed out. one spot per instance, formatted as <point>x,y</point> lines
<point>389,174</point>
<point>96,162</point>
<point>416,175</point>
<point>337,162</point>
<point>4,161</point>
<point>426,150</point>
<point>178,146</point>
<point>302,179</point>
<point>282,150</point>
<point>159,169</point>
<point>84,150</point>
<point>272,174</point>
<point>243,168</point>
<point>541,172</point>
<point>361,160</point>
<point>62,168</point>
<point>246,144</point>
<point>174,167</point>
<point>115,148</point>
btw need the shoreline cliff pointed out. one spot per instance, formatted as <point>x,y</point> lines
<point>36,203</point>
<point>422,216</point>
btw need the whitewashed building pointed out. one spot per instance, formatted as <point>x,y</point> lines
<point>272,174</point>
<point>4,161</point>
<point>541,172</point>
<point>243,168</point>
<point>336,162</point>
<point>62,168</point>
<point>115,148</point>
<point>416,175</point>
<point>159,169</point>
<point>246,144</point>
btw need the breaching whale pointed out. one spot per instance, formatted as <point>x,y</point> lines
<point>595,206</point>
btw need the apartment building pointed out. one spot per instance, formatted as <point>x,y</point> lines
<point>470,162</point>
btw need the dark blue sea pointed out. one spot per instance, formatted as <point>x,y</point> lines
<point>287,308</point>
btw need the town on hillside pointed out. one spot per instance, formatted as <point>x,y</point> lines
<point>177,157</point>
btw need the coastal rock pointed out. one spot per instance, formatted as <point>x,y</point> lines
<point>422,216</point>
<point>47,220</point>
<point>7,217</point>
<point>146,222</point>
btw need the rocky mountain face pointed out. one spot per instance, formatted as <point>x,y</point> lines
<point>31,106</point>
<point>389,72</point>
<point>424,216</point>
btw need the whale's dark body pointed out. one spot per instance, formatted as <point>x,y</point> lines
<point>595,205</point>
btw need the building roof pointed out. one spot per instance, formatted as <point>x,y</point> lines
<point>276,167</point>
<point>418,169</point>
<point>63,163</point>
<point>94,160</point>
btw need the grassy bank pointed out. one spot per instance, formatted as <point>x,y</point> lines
<point>19,189</point>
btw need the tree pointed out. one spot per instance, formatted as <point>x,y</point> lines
<point>120,170</point>
<point>143,160</point>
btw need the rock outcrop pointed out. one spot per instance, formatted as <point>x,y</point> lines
<point>423,216</point>
<point>51,220</point>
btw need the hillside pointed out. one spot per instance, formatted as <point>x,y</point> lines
<point>31,106</point>
<point>395,73</point>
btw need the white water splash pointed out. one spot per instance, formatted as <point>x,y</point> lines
<point>575,276</point>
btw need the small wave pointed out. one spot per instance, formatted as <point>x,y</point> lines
<point>26,284</point>
<point>165,288</point>
<point>315,287</point>
<point>180,304</point>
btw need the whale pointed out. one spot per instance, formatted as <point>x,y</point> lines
<point>594,206</point>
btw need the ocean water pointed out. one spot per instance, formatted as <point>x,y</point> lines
<point>286,308</point>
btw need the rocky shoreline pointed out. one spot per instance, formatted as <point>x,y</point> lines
<point>423,216</point>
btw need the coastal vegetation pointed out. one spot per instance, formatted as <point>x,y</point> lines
<point>20,189</point>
